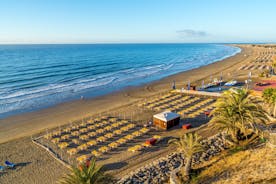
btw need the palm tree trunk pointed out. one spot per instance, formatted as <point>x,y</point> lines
<point>274,110</point>
<point>187,168</point>
<point>234,138</point>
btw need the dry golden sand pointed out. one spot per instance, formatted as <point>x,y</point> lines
<point>34,164</point>
<point>43,169</point>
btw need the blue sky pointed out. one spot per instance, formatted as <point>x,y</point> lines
<point>138,21</point>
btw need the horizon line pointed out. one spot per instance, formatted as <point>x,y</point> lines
<point>117,43</point>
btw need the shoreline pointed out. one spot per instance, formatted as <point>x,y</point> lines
<point>105,89</point>
<point>26,124</point>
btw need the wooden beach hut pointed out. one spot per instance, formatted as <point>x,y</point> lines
<point>166,120</point>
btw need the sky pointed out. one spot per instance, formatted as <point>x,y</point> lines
<point>137,21</point>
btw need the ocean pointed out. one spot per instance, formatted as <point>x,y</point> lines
<point>33,77</point>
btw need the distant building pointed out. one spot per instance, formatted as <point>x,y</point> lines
<point>166,120</point>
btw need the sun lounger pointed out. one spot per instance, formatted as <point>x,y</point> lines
<point>2,168</point>
<point>231,83</point>
<point>72,151</point>
<point>82,158</point>
<point>9,164</point>
<point>95,153</point>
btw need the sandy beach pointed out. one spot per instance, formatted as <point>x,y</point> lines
<point>16,130</point>
<point>30,123</point>
<point>137,92</point>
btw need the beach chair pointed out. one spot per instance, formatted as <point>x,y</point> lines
<point>92,143</point>
<point>72,151</point>
<point>83,130</point>
<point>103,149</point>
<point>121,141</point>
<point>66,130</point>
<point>83,158</point>
<point>136,133</point>
<point>82,147</point>
<point>91,127</point>
<point>90,121</point>
<point>63,145</point>
<point>75,133</point>
<point>100,131</point>
<point>129,137</point>
<point>48,136</point>
<point>113,145</point>
<point>105,122</point>
<point>83,125</point>
<point>65,137</point>
<point>144,130</point>
<point>101,139</point>
<point>9,164</point>
<point>107,128</point>
<point>84,137</point>
<point>109,135</point>
<point>76,141</point>
<point>56,133</point>
<point>55,140</point>
<point>95,153</point>
<point>135,148</point>
<point>92,134</point>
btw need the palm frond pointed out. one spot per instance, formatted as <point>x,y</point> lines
<point>85,174</point>
<point>237,111</point>
<point>188,144</point>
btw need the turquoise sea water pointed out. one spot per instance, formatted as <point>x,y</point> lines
<point>38,76</point>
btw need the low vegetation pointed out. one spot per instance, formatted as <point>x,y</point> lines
<point>269,96</point>
<point>246,166</point>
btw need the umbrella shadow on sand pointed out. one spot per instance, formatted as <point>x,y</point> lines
<point>22,164</point>
<point>17,165</point>
<point>114,166</point>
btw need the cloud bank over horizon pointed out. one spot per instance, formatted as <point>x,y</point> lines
<point>191,33</point>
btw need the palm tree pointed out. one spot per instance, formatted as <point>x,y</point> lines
<point>188,144</point>
<point>87,173</point>
<point>269,96</point>
<point>238,113</point>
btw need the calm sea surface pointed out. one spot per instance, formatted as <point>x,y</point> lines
<point>37,76</point>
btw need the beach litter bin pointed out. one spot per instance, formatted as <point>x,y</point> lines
<point>207,113</point>
<point>151,141</point>
<point>186,126</point>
